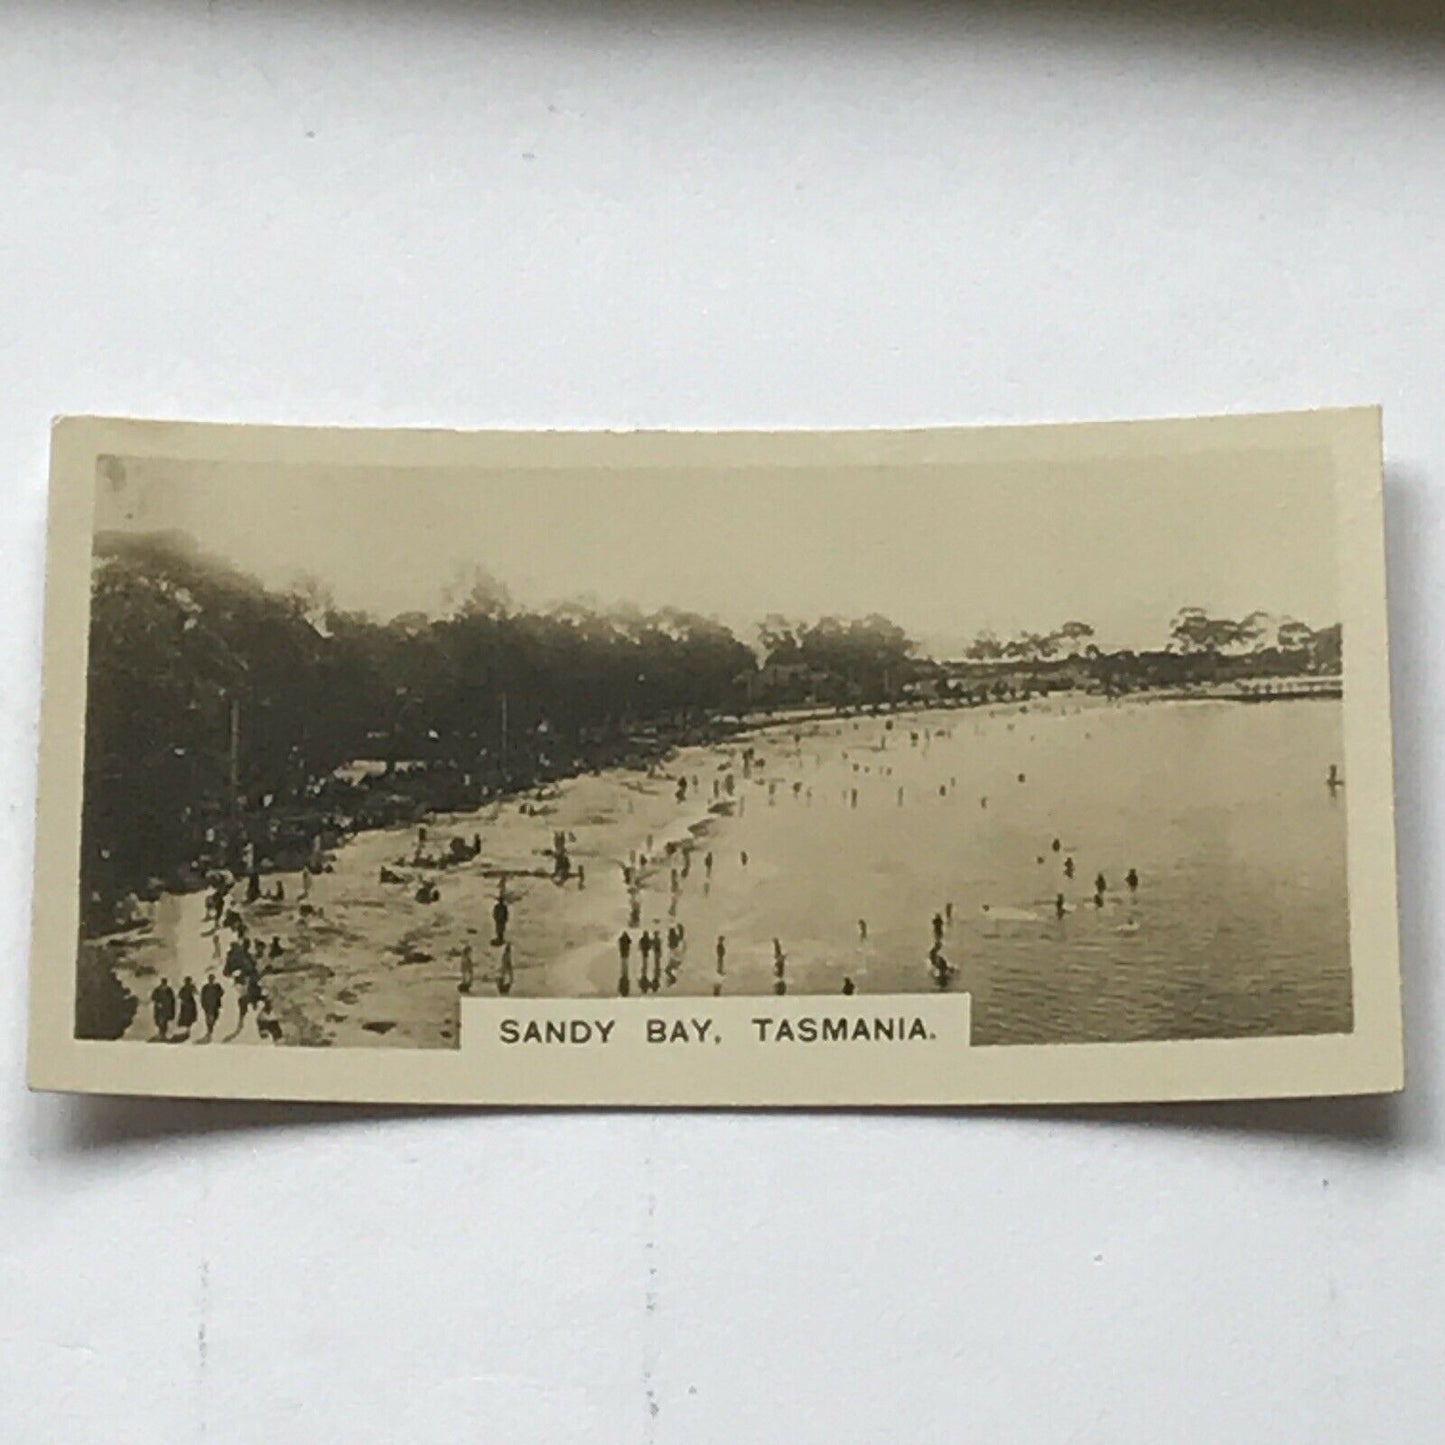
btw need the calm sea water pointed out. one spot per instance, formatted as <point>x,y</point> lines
<point>1238,927</point>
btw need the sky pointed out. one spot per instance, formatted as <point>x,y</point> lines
<point>943,551</point>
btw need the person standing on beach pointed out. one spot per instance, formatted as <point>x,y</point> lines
<point>863,930</point>
<point>186,1006</point>
<point>504,977</point>
<point>211,996</point>
<point>707,864</point>
<point>644,947</point>
<point>163,1006</point>
<point>722,954</point>
<point>624,948</point>
<point>1068,867</point>
<point>251,995</point>
<point>468,967</point>
<point>779,958</point>
<point>1131,878</point>
<point>938,928</point>
<point>500,914</point>
<point>1059,906</point>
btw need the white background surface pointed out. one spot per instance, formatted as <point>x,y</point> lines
<point>695,214</point>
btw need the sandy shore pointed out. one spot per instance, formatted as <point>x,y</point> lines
<point>832,822</point>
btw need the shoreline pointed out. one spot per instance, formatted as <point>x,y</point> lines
<point>612,811</point>
<point>648,753</point>
<point>377,966</point>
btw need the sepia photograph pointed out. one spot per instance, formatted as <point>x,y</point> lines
<point>1064,734</point>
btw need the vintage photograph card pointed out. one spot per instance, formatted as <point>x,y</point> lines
<point>993,765</point>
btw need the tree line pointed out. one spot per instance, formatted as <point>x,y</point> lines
<point>212,697</point>
<point>1193,633</point>
<point>220,711</point>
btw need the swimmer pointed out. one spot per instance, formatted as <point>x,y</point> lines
<point>942,969</point>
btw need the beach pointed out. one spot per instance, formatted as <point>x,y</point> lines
<point>1237,925</point>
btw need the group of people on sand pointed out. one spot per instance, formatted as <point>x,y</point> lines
<point>183,1006</point>
<point>246,960</point>
<point>504,977</point>
<point>650,952</point>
